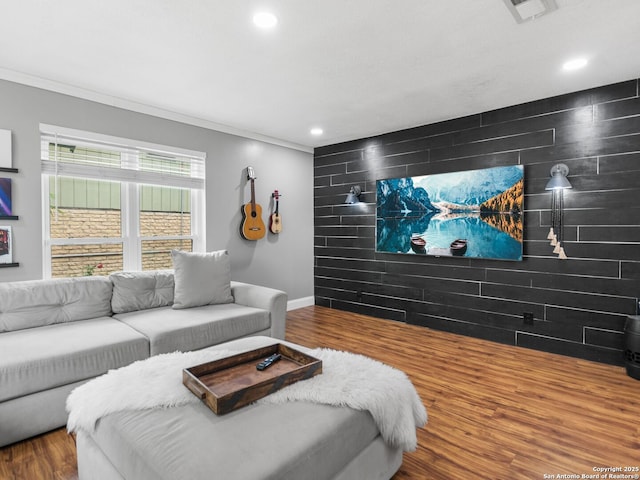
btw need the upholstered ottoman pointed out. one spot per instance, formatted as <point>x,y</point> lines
<point>291,440</point>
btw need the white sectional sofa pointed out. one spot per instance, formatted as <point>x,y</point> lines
<point>57,334</point>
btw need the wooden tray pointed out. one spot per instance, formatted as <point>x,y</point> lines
<point>233,382</point>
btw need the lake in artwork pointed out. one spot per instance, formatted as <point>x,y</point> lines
<point>475,213</point>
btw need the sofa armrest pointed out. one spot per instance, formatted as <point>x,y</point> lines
<point>270,299</point>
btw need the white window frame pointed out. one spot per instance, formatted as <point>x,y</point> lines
<point>130,238</point>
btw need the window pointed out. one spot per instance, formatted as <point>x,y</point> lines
<point>114,204</point>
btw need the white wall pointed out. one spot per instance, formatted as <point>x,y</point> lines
<point>283,261</point>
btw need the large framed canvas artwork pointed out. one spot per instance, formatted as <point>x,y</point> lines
<point>474,213</point>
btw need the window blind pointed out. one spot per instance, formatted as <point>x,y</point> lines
<point>74,153</point>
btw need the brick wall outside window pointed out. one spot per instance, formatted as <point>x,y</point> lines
<point>78,260</point>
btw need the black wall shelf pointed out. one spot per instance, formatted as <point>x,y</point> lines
<point>10,170</point>
<point>9,217</point>
<point>3,265</point>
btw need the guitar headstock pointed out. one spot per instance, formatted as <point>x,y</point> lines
<point>250,174</point>
<point>275,194</point>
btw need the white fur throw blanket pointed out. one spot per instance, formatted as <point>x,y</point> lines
<point>348,380</point>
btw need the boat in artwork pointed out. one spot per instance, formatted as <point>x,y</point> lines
<point>418,244</point>
<point>458,247</point>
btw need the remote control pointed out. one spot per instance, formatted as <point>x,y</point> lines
<point>267,362</point>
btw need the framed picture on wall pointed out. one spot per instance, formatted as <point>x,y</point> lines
<point>6,245</point>
<point>5,149</point>
<point>5,197</point>
<point>470,214</point>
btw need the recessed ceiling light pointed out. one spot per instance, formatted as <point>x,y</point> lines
<point>574,64</point>
<point>265,20</point>
<point>316,131</point>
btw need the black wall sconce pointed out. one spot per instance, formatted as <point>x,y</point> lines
<point>354,195</point>
<point>558,184</point>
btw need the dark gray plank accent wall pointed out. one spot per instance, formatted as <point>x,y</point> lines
<point>580,304</point>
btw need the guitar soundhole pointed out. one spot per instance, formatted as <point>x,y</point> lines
<point>254,214</point>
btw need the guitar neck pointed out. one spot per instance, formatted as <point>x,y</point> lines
<point>253,196</point>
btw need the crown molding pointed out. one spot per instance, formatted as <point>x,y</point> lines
<point>86,94</point>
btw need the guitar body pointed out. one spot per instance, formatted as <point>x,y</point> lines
<point>275,225</point>
<point>252,226</point>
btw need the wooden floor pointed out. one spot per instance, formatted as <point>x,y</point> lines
<point>495,412</point>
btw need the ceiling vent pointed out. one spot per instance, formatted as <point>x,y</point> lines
<point>524,10</point>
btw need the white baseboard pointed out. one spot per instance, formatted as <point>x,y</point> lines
<point>301,302</point>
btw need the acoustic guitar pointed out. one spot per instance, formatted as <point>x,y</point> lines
<point>276,222</point>
<point>252,226</point>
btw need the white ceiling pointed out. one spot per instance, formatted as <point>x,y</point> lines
<point>356,68</point>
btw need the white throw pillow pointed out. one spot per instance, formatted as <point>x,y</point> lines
<point>201,278</point>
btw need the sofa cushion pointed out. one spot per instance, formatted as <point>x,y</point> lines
<point>37,359</point>
<point>169,330</point>
<point>141,290</point>
<point>35,303</point>
<point>201,278</point>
